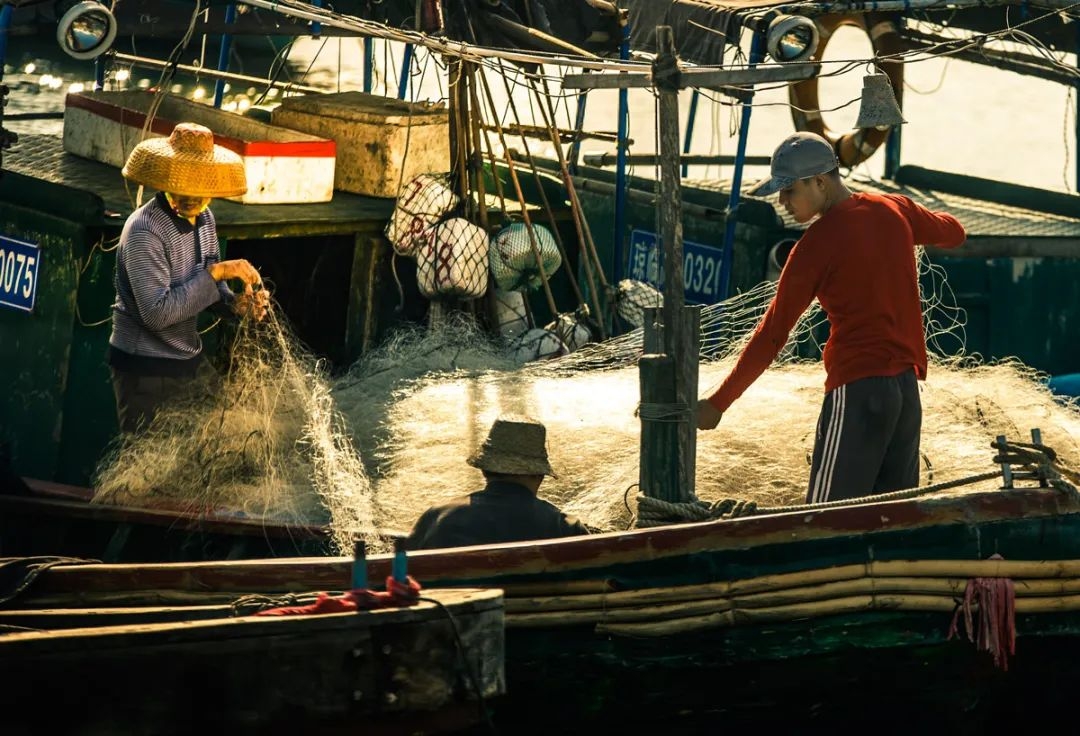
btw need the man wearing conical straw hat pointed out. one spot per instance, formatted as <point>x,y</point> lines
<point>514,461</point>
<point>168,270</point>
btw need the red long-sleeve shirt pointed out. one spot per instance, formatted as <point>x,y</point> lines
<point>858,260</point>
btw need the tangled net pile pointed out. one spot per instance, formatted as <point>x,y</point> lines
<point>266,444</point>
<point>370,451</point>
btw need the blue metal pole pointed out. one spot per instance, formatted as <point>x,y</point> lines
<point>223,54</point>
<point>5,24</point>
<point>579,124</point>
<point>620,166</point>
<point>99,75</point>
<point>892,153</point>
<point>403,80</point>
<point>369,63</point>
<point>757,55</point>
<point>690,129</point>
<point>1076,118</point>
<point>316,27</point>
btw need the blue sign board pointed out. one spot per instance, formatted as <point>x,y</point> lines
<point>701,267</point>
<point>19,265</point>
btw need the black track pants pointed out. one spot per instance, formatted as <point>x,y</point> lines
<point>867,439</point>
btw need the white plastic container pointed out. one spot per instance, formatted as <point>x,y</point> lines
<point>282,166</point>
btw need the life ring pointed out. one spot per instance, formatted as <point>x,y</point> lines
<point>855,147</point>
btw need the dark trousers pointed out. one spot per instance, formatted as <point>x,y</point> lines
<point>867,439</point>
<point>139,397</point>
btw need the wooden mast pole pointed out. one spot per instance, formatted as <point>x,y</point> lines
<point>673,480</point>
<point>668,380</point>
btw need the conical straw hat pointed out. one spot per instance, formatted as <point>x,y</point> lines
<point>187,163</point>
<point>514,446</point>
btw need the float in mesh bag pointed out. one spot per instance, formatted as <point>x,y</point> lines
<point>453,260</point>
<point>513,262</point>
<point>422,203</point>
<point>537,344</point>
<point>572,330</point>
<point>631,298</point>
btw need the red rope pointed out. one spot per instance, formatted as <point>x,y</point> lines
<point>989,610</point>
<point>396,595</point>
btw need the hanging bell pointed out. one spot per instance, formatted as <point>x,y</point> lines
<point>878,108</point>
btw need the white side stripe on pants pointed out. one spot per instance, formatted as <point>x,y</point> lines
<point>829,452</point>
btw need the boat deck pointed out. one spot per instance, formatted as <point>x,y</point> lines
<point>1051,218</point>
<point>38,160</point>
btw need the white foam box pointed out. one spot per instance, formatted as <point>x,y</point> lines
<point>283,166</point>
<point>382,142</point>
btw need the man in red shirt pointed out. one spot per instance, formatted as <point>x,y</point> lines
<point>858,259</point>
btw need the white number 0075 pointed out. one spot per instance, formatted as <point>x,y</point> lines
<point>17,271</point>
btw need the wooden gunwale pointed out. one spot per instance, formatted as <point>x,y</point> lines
<point>587,558</point>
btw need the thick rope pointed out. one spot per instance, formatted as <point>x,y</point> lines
<point>677,412</point>
<point>249,605</point>
<point>17,574</point>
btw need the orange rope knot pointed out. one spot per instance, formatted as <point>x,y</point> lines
<point>989,609</point>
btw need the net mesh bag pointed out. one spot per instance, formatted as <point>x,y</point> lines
<point>631,299</point>
<point>514,260</point>
<point>537,344</point>
<point>453,260</point>
<point>573,330</point>
<point>423,202</point>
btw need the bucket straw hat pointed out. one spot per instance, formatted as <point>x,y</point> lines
<point>514,446</point>
<point>187,163</point>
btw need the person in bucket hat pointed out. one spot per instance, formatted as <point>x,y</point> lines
<point>514,462</point>
<point>857,257</point>
<point>168,270</point>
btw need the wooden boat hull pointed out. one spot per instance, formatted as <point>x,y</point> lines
<point>760,618</point>
<point>396,670</point>
<point>57,519</point>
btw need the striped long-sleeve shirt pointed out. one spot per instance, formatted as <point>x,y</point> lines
<point>162,284</point>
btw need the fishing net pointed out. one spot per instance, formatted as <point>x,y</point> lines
<point>423,202</point>
<point>632,298</point>
<point>370,450</point>
<point>452,262</point>
<point>267,442</point>
<point>520,252</point>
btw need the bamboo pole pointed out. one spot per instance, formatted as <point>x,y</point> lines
<point>777,614</point>
<point>559,588</point>
<point>594,270</point>
<point>906,603</point>
<point>548,210</point>
<point>564,166</point>
<point>459,133</point>
<point>521,201</point>
<point>476,156</point>
<point>565,136</point>
<point>661,602</point>
<point>474,97</point>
